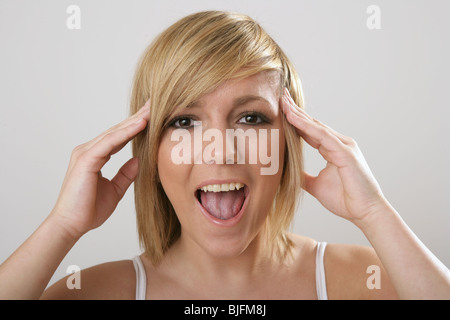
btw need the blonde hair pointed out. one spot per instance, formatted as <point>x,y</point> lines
<point>190,58</point>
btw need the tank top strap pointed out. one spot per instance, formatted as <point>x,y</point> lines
<point>141,278</point>
<point>321,284</point>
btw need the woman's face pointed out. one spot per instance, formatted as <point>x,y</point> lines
<point>229,139</point>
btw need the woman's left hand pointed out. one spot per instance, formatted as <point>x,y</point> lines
<point>346,186</point>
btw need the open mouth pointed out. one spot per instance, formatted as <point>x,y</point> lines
<point>223,201</point>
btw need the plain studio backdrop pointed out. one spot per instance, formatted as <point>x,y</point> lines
<point>378,74</point>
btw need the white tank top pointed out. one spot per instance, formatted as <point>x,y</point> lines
<point>321,285</point>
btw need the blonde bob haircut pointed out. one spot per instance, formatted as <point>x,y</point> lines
<point>190,58</point>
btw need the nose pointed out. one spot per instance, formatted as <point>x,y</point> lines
<point>218,146</point>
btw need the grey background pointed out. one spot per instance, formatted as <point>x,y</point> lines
<point>387,88</point>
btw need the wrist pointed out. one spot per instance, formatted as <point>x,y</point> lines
<point>57,224</point>
<point>378,215</point>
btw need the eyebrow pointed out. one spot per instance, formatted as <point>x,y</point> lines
<point>240,101</point>
<point>248,99</point>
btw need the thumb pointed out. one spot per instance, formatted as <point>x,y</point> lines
<point>309,183</point>
<point>125,177</point>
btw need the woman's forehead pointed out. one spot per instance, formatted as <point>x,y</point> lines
<point>264,86</point>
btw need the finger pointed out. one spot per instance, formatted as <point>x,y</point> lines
<point>125,177</point>
<point>291,106</point>
<point>100,152</point>
<point>328,176</point>
<point>143,112</point>
<point>314,133</point>
<point>79,151</point>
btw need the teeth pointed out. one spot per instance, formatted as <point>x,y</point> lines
<point>222,187</point>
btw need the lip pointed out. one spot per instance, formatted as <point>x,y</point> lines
<point>219,222</point>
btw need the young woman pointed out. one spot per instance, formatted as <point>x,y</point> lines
<point>214,226</point>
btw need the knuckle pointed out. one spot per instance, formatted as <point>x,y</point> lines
<point>352,142</point>
<point>80,152</point>
<point>81,157</point>
<point>324,132</point>
<point>78,148</point>
<point>109,138</point>
<point>348,141</point>
<point>317,122</point>
<point>77,151</point>
<point>352,153</point>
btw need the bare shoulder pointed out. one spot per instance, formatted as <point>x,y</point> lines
<point>356,272</point>
<point>111,280</point>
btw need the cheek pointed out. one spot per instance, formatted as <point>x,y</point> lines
<point>173,177</point>
<point>271,153</point>
<point>266,185</point>
<point>164,166</point>
<point>274,170</point>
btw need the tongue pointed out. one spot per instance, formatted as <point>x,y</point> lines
<point>223,205</point>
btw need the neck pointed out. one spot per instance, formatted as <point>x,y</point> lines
<point>195,263</point>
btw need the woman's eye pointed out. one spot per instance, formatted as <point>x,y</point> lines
<point>251,119</point>
<point>183,123</point>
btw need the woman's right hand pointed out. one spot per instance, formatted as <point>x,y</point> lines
<point>87,199</point>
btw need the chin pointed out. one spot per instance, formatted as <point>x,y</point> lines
<point>225,247</point>
<point>224,216</point>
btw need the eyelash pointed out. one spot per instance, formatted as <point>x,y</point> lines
<point>172,123</point>
<point>262,119</point>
